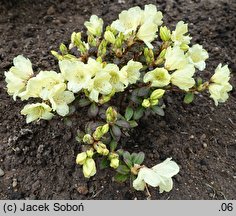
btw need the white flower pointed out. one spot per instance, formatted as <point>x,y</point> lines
<point>219,93</point>
<point>95,25</point>
<point>18,75</point>
<point>159,175</point>
<point>37,111</point>
<point>128,21</point>
<point>222,74</point>
<point>60,99</point>
<point>197,56</point>
<point>76,73</point>
<point>183,77</point>
<point>158,77</point>
<point>131,72</point>
<point>178,36</point>
<point>175,58</point>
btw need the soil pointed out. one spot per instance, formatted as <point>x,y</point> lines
<point>38,159</point>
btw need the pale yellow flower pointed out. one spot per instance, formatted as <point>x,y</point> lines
<point>60,98</point>
<point>158,77</point>
<point>76,73</point>
<point>183,77</point>
<point>41,85</point>
<point>131,72</point>
<point>95,25</point>
<point>222,74</point>
<point>150,13</point>
<point>128,21</point>
<point>175,58</point>
<point>147,33</point>
<point>219,93</point>
<point>18,75</point>
<point>100,84</point>
<point>37,111</point>
<point>117,79</point>
<point>197,56</point>
<point>179,35</point>
<point>158,176</point>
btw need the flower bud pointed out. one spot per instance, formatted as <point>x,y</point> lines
<point>163,53</point>
<point>81,157</point>
<point>101,148</point>
<point>91,40</point>
<point>89,168</point>
<point>111,115</point>
<point>184,47</point>
<point>154,102</point>
<point>63,49</point>
<point>105,128</point>
<point>89,153</point>
<point>165,33</point>
<point>109,36</point>
<point>157,94</point>
<point>114,163</point>
<point>146,103</point>
<point>88,139</point>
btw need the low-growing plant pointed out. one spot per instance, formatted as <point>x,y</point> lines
<point>120,73</point>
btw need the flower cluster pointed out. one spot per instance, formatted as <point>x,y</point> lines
<point>119,73</point>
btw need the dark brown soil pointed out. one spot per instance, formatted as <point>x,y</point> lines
<point>39,158</point>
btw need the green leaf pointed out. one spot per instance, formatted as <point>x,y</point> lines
<point>113,145</point>
<point>129,113</point>
<point>138,158</point>
<point>122,169</point>
<point>120,177</point>
<point>127,159</point>
<point>133,123</point>
<point>93,110</point>
<point>138,113</point>
<point>104,163</point>
<point>84,102</point>
<point>63,49</point>
<point>189,98</point>
<point>158,110</point>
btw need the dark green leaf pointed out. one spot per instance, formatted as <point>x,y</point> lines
<point>84,102</point>
<point>143,91</point>
<point>126,155</point>
<point>138,113</point>
<point>120,177</point>
<point>158,110</point>
<point>93,110</point>
<point>116,132</point>
<point>104,163</point>
<point>120,152</point>
<point>122,169</point>
<point>139,158</point>
<point>189,98</point>
<point>129,113</point>
<point>123,124</point>
<point>113,145</point>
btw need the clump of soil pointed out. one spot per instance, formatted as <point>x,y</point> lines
<point>37,161</point>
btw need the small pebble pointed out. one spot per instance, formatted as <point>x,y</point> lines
<point>2,173</point>
<point>204,145</point>
<point>14,183</point>
<point>82,190</point>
